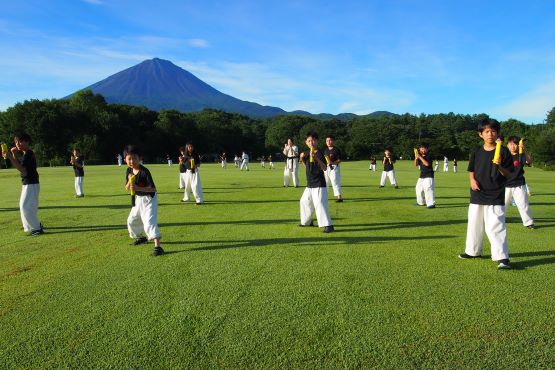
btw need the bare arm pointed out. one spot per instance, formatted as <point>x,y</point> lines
<point>473,183</point>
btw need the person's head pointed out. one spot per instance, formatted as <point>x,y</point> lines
<point>76,152</point>
<point>290,141</point>
<point>512,144</point>
<point>189,147</point>
<point>311,139</point>
<point>489,130</point>
<point>423,148</point>
<point>182,149</point>
<point>22,141</point>
<point>133,156</point>
<point>387,152</point>
<point>330,141</point>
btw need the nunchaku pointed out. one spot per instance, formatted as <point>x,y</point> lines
<point>496,156</point>
<point>132,182</point>
<point>5,153</point>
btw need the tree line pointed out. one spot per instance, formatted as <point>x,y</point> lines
<point>101,130</point>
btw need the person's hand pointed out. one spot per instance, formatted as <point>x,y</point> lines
<point>497,161</point>
<point>302,156</point>
<point>14,150</point>
<point>474,185</point>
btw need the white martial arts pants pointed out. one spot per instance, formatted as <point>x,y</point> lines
<point>425,192</point>
<point>192,183</point>
<point>245,164</point>
<point>490,219</point>
<point>28,207</point>
<point>79,186</point>
<point>181,180</point>
<point>144,217</point>
<point>333,178</point>
<point>271,165</point>
<point>372,167</point>
<point>224,164</point>
<point>436,167</point>
<point>520,196</point>
<point>446,167</point>
<point>291,169</point>
<point>170,163</point>
<point>455,169</point>
<point>119,163</point>
<point>390,175</point>
<point>315,200</point>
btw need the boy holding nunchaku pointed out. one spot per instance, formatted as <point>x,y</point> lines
<point>144,214</point>
<point>489,166</point>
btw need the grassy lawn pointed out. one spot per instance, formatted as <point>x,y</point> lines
<point>243,287</point>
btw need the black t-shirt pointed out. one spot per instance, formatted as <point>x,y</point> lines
<point>143,179</point>
<point>187,160</point>
<point>373,161</point>
<point>426,171</point>
<point>490,181</point>
<point>182,167</point>
<point>29,162</point>
<point>314,175</point>
<point>388,166</point>
<point>517,177</point>
<point>78,163</point>
<point>334,154</point>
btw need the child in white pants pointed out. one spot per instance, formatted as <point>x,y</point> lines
<point>486,212</point>
<point>291,153</point>
<point>29,200</point>
<point>333,170</point>
<point>388,169</point>
<point>425,183</point>
<point>315,195</point>
<point>244,161</point>
<point>144,214</point>
<point>516,184</point>
<point>192,175</point>
<point>77,162</point>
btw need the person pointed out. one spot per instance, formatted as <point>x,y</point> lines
<point>486,212</point>
<point>27,167</point>
<point>425,183</point>
<point>263,162</point>
<point>291,153</point>
<point>78,162</point>
<point>237,161</point>
<point>515,188</point>
<point>169,159</point>
<point>388,169</point>
<point>223,160</point>
<point>372,164</point>
<point>244,161</point>
<point>271,162</point>
<point>333,170</point>
<point>182,168</point>
<point>120,159</point>
<point>315,195</point>
<point>445,164</point>
<point>144,213</point>
<point>436,165</point>
<point>192,175</point>
<point>455,168</point>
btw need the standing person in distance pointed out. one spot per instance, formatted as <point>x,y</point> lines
<point>271,162</point>
<point>436,165</point>
<point>445,164</point>
<point>223,160</point>
<point>263,161</point>
<point>169,159</point>
<point>488,174</point>
<point>425,183</point>
<point>182,168</point>
<point>455,167</point>
<point>144,214</point>
<point>315,195</point>
<point>388,169</point>
<point>372,164</point>
<point>333,170</point>
<point>78,163</point>
<point>244,161</point>
<point>120,159</point>
<point>291,153</point>
<point>516,188</point>
<point>237,161</point>
<point>192,175</point>
<point>27,166</point>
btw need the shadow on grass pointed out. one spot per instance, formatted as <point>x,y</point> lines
<point>524,264</point>
<point>299,242</point>
<point>399,225</point>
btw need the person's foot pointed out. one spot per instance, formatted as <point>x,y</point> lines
<point>531,226</point>
<point>339,200</point>
<point>430,207</point>
<point>396,187</point>
<point>309,225</point>
<point>158,251</point>
<point>198,203</point>
<point>37,232</point>
<point>465,256</point>
<point>184,201</point>
<point>140,240</point>
<point>381,186</point>
<point>419,205</point>
<point>328,229</point>
<point>504,264</point>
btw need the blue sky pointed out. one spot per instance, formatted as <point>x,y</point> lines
<point>496,57</point>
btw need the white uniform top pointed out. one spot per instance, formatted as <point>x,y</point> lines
<point>291,151</point>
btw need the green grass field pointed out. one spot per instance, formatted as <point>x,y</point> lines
<point>242,286</point>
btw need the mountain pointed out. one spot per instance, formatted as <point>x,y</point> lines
<point>159,84</point>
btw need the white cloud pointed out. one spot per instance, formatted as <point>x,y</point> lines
<point>532,105</point>
<point>198,43</point>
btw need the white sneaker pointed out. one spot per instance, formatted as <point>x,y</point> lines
<point>504,264</point>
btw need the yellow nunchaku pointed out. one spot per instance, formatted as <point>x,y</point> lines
<point>328,160</point>
<point>4,150</point>
<point>415,152</point>
<point>192,163</point>
<point>132,181</point>
<point>72,160</point>
<point>311,155</point>
<point>520,146</point>
<point>497,153</point>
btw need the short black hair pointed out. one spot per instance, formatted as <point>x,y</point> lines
<point>489,122</point>
<point>423,145</point>
<point>330,136</point>
<point>513,139</point>
<point>182,148</point>
<point>132,150</point>
<point>23,136</point>
<point>311,134</point>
